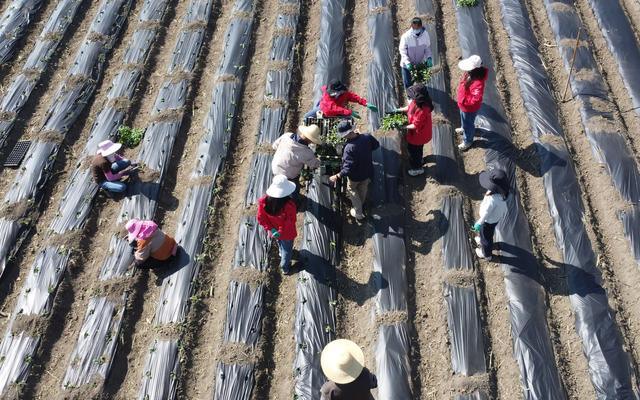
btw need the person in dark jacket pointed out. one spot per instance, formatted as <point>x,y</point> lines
<point>334,101</point>
<point>357,165</point>
<point>419,130</point>
<point>342,362</point>
<point>277,215</point>
<point>470,94</point>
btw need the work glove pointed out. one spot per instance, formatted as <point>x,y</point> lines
<point>409,66</point>
<point>355,114</point>
<point>372,107</point>
<point>429,62</point>
<point>476,227</point>
<point>275,233</point>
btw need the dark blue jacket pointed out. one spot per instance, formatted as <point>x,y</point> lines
<point>357,163</point>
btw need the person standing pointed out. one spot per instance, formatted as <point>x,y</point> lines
<point>470,93</point>
<point>277,215</point>
<point>108,167</point>
<point>419,130</point>
<point>415,48</point>
<point>357,165</point>
<point>342,362</point>
<point>335,98</point>
<point>492,209</point>
<point>293,153</point>
<point>149,241</point>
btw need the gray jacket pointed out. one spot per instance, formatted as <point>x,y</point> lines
<point>291,157</point>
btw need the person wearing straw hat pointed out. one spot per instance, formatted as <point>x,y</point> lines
<point>470,93</point>
<point>108,167</point>
<point>293,153</point>
<point>415,49</point>
<point>492,209</point>
<point>277,215</point>
<point>149,241</point>
<point>357,165</point>
<point>342,362</point>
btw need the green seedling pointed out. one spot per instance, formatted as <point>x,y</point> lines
<point>130,137</point>
<point>467,3</point>
<point>394,121</point>
<point>420,72</point>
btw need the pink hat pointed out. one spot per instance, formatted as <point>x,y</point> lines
<point>140,230</point>
<point>107,148</point>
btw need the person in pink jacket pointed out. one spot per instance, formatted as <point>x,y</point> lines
<point>470,93</point>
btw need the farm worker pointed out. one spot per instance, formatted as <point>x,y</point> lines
<point>149,241</point>
<point>419,130</point>
<point>357,165</point>
<point>492,209</point>
<point>293,153</point>
<point>342,362</point>
<point>277,215</point>
<point>108,167</point>
<point>335,97</point>
<point>415,48</point>
<point>470,92</point>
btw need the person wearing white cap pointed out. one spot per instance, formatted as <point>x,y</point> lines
<point>470,93</point>
<point>277,215</point>
<point>342,362</point>
<point>293,153</point>
<point>108,167</point>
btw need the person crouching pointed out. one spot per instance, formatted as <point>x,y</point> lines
<point>149,242</point>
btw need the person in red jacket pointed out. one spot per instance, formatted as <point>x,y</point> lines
<point>277,215</point>
<point>470,92</point>
<point>419,130</point>
<point>334,101</point>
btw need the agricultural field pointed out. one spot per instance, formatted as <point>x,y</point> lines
<point>209,85</point>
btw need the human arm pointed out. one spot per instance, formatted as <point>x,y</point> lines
<point>276,143</point>
<point>487,207</point>
<point>263,219</point>
<point>143,252</point>
<point>404,57</point>
<point>474,97</point>
<point>374,143</point>
<point>351,96</point>
<point>311,160</point>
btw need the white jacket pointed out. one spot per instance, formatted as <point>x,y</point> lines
<point>414,49</point>
<point>291,157</point>
<point>492,209</point>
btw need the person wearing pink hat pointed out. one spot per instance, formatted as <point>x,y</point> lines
<point>342,362</point>
<point>108,167</point>
<point>470,94</point>
<point>149,241</point>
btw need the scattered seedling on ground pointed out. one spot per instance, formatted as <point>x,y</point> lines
<point>130,137</point>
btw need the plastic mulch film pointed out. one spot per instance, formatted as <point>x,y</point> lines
<point>155,154</point>
<point>477,395</point>
<point>69,101</point>
<point>20,88</point>
<point>315,322</point>
<point>622,43</point>
<point>531,342</point>
<point>13,25</point>
<point>608,144</point>
<point>330,54</point>
<point>609,364</point>
<point>239,381</point>
<point>46,272</point>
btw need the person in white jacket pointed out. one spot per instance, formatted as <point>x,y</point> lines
<point>492,209</point>
<point>293,153</point>
<point>415,48</point>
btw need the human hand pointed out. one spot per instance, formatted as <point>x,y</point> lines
<point>429,62</point>
<point>476,227</point>
<point>275,233</point>
<point>333,179</point>
<point>355,114</point>
<point>409,66</point>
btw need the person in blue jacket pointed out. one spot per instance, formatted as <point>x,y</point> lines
<point>357,165</point>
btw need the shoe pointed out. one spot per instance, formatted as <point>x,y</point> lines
<point>477,239</point>
<point>459,131</point>
<point>464,146</point>
<point>481,255</point>
<point>415,172</point>
<point>354,214</point>
<point>286,271</point>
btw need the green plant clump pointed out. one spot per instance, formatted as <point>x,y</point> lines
<point>130,137</point>
<point>420,73</point>
<point>467,3</point>
<point>333,138</point>
<point>394,121</point>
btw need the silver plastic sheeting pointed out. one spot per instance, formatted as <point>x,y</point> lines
<point>243,373</point>
<point>330,53</point>
<point>13,25</point>
<point>531,342</point>
<point>155,152</point>
<point>160,370</point>
<point>19,91</point>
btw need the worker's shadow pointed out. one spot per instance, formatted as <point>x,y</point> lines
<point>565,280</point>
<point>425,233</point>
<point>164,269</point>
<point>446,171</point>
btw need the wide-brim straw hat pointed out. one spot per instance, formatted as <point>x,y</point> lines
<point>471,63</point>
<point>342,361</point>
<point>495,180</point>
<point>280,187</point>
<point>311,132</point>
<point>107,148</point>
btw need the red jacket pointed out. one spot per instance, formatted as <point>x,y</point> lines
<point>285,222</point>
<point>335,106</point>
<point>470,99</point>
<point>421,118</point>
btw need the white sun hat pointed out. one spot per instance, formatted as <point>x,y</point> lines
<point>342,361</point>
<point>311,132</point>
<point>280,187</point>
<point>107,148</point>
<point>471,63</point>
